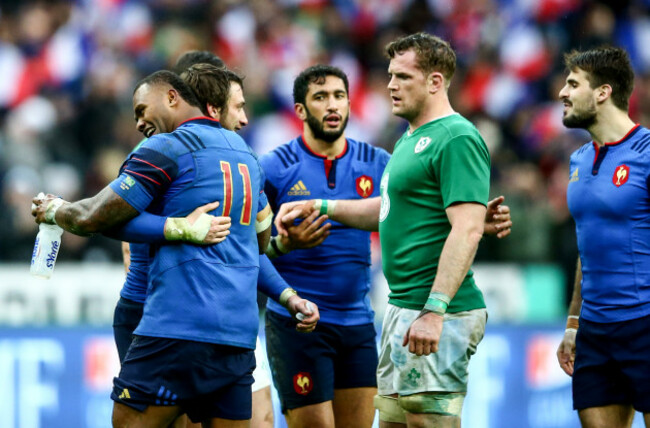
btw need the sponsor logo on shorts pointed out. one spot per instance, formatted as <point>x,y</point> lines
<point>621,174</point>
<point>125,394</point>
<point>302,383</point>
<point>299,189</point>
<point>127,183</point>
<point>365,186</point>
<point>422,144</point>
<point>574,176</point>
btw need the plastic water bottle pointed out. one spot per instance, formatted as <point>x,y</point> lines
<point>46,248</point>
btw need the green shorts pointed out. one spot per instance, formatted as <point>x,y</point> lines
<point>404,373</point>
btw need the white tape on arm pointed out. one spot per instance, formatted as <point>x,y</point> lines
<point>261,226</point>
<point>50,211</point>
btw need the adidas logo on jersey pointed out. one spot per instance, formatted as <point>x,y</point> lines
<point>299,189</point>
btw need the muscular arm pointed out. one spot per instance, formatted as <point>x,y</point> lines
<point>467,220</point>
<point>566,352</point>
<point>87,216</point>
<point>361,213</point>
<point>358,213</point>
<point>460,247</point>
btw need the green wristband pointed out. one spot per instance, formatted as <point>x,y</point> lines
<point>437,303</point>
<point>323,207</point>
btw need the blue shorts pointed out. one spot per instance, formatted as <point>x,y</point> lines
<point>126,319</point>
<point>612,364</point>
<point>308,367</point>
<point>205,380</point>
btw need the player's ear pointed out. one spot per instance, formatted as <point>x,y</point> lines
<point>300,110</point>
<point>435,82</point>
<point>213,111</point>
<point>172,97</point>
<point>603,92</point>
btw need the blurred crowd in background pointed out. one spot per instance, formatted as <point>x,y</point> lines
<point>68,68</point>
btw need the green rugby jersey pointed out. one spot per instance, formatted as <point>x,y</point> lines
<point>443,162</point>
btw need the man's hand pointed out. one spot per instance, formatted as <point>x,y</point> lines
<point>423,336</point>
<point>219,226</point>
<point>308,234</point>
<point>198,227</point>
<point>303,308</point>
<point>497,218</point>
<point>566,352</point>
<point>290,211</point>
<point>39,207</point>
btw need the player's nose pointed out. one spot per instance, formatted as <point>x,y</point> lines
<point>139,125</point>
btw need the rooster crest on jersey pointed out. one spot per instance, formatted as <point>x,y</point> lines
<point>365,186</point>
<point>621,174</point>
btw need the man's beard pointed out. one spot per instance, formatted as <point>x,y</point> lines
<point>583,120</point>
<point>317,128</point>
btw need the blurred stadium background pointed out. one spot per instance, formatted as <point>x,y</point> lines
<point>67,70</point>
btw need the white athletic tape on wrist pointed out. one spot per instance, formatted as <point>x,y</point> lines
<point>325,206</point>
<point>180,229</point>
<point>286,294</point>
<point>50,211</point>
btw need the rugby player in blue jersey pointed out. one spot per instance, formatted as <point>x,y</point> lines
<point>220,93</point>
<point>193,351</point>
<point>606,346</point>
<point>328,377</point>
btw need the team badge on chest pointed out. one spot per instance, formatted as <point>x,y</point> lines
<point>621,174</point>
<point>422,144</point>
<point>365,186</point>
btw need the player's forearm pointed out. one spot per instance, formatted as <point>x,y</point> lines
<point>456,258</point>
<point>93,215</point>
<point>145,228</point>
<point>358,213</point>
<point>269,280</point>
<point>576,298</point>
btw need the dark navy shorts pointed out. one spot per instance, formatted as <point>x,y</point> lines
<point>612,364</point>
<point>206,380</point>
<point>307,367</point>
<point>126,319</point>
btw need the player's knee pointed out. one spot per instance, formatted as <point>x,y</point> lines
<point>439,403</point>
<point>389,409</point>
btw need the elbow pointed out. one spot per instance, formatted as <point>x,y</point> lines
<point>86,224</point>
<point>476,235</point>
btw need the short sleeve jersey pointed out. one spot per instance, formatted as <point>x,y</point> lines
<point>609,199</point>
<point>441,163</point>
<point>335,275</point>
<point>200,293</point>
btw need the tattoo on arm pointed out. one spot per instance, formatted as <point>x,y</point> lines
<point>97,214</point>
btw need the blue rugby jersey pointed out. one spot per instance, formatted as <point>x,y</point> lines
<point>202,293</point>
<point>609,200</point>
<point>335,275</point>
